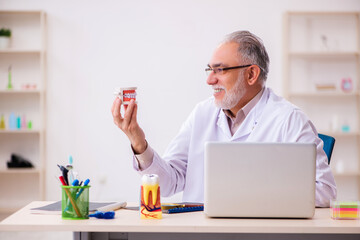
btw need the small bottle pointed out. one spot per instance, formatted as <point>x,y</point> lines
<point>23,122</point>
<point>9,86</point>
<point>347,84</point>
<point>29,125</point>
<point>2,122</point>
<point>18,122</point>
<point>345,126</point>
<point>12,121</point>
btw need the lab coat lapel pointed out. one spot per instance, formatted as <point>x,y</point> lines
<point>252,118</point>
<point>223,124</point>
<point>246,127</point>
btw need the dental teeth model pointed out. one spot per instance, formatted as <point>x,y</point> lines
<point>150,206</point>
<point>126,94</point>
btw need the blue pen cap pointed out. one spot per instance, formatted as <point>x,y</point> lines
<point>75,182</point>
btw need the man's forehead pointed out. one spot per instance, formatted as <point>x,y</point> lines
<point>225,54</point>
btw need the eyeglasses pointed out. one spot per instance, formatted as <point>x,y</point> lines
<point>221,71</point>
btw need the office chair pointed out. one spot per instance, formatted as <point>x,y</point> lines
<point>329,143</point>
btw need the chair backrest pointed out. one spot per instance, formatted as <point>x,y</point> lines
<point>329,143</point>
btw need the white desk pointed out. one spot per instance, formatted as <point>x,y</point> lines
<point>127,223</point>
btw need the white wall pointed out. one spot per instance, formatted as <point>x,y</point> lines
<point>162,47</point>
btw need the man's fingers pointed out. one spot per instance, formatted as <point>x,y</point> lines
<point>116,104</point>
<point>128,122</point>
<point>128,113</point>
<point>134,115</point>
<point>115,109</point>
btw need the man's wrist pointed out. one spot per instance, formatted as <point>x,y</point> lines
<point>145,159</point>
<point>139,148</point>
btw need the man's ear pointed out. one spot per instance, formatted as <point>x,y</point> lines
<point>253,73</point>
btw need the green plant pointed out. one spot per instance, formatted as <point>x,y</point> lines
<point>5,32</point>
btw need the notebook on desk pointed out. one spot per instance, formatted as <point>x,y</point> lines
<point>260,180</point>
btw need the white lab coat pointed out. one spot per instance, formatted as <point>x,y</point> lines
<point>273,119</point>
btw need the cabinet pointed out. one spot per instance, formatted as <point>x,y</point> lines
<point>321,76</point>
<point>26,56</point>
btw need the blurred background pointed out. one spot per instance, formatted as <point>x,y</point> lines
<point>66,58</point>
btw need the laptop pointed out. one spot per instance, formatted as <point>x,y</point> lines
<point>259,180</point>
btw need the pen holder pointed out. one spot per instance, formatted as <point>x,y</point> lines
<point>75,202</point>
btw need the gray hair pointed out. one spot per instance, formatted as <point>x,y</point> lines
<point>251,49</point>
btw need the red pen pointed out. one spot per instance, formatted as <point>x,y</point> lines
<point>62,180</point>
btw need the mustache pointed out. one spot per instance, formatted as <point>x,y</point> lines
<point>218,87</point>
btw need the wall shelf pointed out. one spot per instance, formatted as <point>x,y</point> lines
<point>347,174</point>
<point>20,131</point>
<point>21,51</point>
<point>26,56</point>
<point>31,91</point>
<point>20,171</point>
<point>323,54</point>
<point>343,134</point>
<point>323,94</point>
<point>322,49</point>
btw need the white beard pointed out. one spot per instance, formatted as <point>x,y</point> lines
<point>233,96</point>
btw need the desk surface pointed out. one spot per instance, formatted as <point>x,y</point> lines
<point>194,222</point>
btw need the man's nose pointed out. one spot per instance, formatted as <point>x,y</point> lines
<point>211,79</point>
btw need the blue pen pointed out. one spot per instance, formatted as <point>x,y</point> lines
<point>81,190</point>
<point>103,215</point>
<point>75,183</point>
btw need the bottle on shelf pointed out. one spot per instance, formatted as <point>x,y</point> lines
<point>9,86</point>
<point>23,122</point>
<point>2,122</point>
<point>12,121</point>
<point>18,122</point>
<point>29,125</point>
